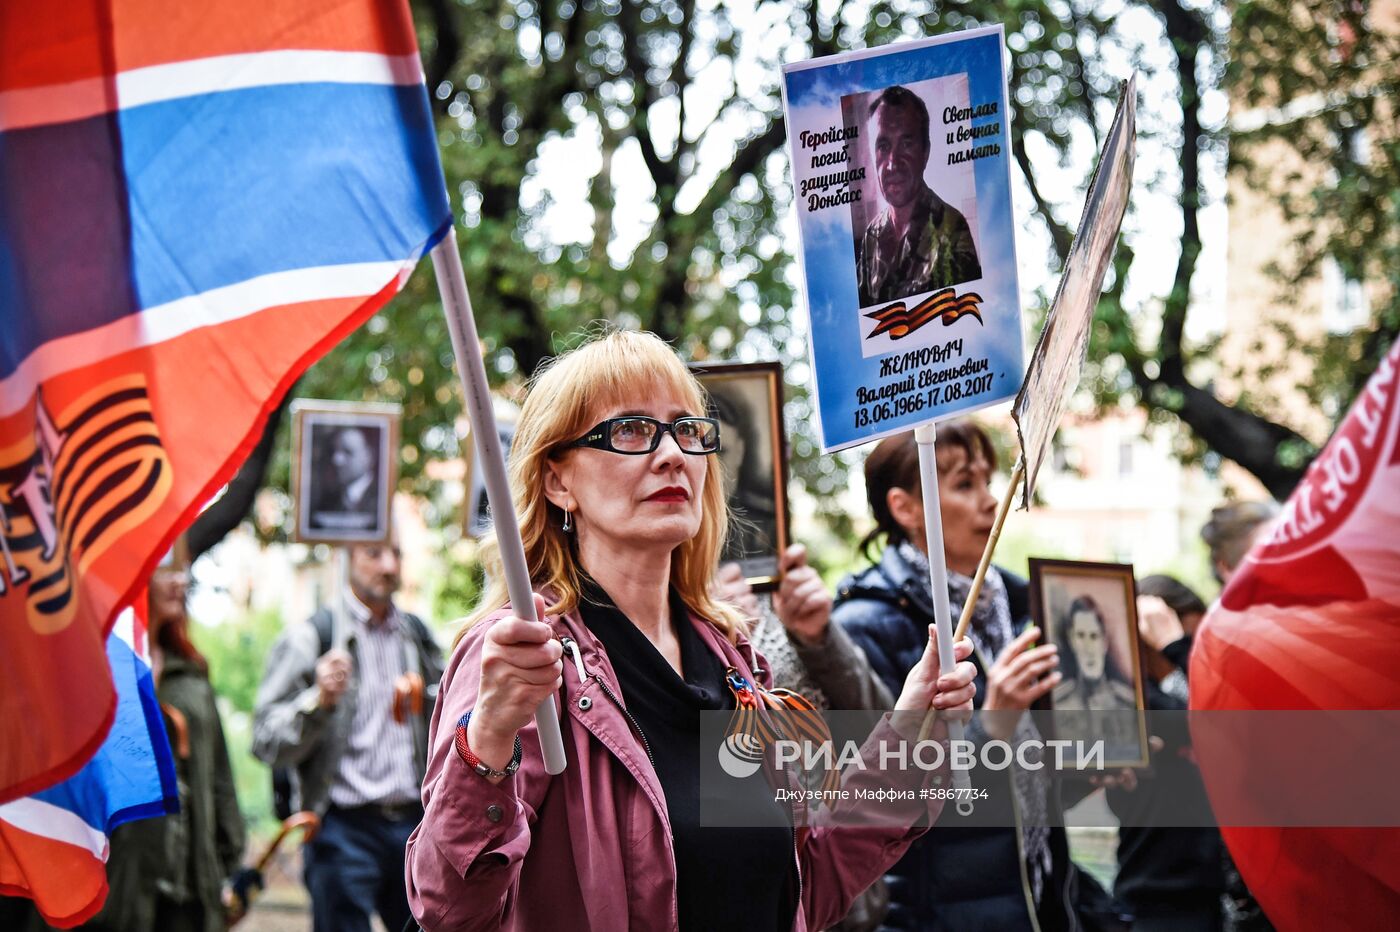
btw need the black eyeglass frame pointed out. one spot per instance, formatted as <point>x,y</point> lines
<point>599,437</point>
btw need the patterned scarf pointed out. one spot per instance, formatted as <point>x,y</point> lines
<point>991,631</point>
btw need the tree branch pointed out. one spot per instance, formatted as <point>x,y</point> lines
<point>1239,434</point>
<point>663,175</point>
<point>1251,441</point>
<point>601,195</point>
<point>447,49</point>
<point>1186,33</point>
<point>229,510</point>
<point>680,77</point>
<point>1060,234</point>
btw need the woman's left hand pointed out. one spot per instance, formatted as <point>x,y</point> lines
<point>802,601</point>
<point>925,689</point>
<point>729,585</point>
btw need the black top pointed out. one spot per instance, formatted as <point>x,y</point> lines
<point>726,878</point>
<point>1161,870</point>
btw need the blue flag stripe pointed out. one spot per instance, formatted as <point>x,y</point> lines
<point>261,170</point>
<point>120,784</point>
<point>267,167</point>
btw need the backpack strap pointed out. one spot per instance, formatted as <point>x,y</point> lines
<point>421,635</point>
<point>324,623</point>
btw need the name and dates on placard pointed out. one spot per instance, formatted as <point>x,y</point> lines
<point>916,386</point>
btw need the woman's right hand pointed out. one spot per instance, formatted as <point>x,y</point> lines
<point>521,664</point>
<point>1020,676</point>
<point>1157,623</point>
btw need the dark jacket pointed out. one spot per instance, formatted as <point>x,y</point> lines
<point>1162,870</point>
<point>184,857</point>
<point>956,877</point>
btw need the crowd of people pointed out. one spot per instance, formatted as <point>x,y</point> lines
<point>425,771</point>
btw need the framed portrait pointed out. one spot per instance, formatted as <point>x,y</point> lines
<point>747,400</point>
<point>1089,611</point>
<point>344,468</point>
<point>476,509</point>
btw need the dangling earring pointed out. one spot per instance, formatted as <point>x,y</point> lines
<point>568,524</point>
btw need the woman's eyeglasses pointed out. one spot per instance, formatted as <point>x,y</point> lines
<point>635,434</point>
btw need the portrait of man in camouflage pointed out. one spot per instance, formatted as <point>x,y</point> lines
<point>918,242</point>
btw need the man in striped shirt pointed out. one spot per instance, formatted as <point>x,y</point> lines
<point>347,723</point>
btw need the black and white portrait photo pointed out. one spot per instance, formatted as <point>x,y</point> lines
<point>1088,611</point>
<point>344,470</point>
<point>747,400</point>
<point>477,508</point>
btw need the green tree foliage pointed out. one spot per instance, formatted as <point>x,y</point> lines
<point>686,94</point>
<point>678,102</point>
<point>1325,78</point>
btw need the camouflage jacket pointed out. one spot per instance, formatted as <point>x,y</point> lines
<point>938,251</point>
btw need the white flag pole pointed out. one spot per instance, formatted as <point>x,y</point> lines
<point>457,305</point>
<point>925,436</point>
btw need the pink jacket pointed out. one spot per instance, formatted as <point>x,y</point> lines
<point>590,849</point>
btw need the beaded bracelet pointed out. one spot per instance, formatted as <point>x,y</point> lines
<point>464,751</point>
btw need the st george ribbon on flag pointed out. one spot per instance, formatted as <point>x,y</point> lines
<point>195,203</point>
<point>1053,373</point>
<point>1311,621</point>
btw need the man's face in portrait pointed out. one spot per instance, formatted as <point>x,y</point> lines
<point>350,456</point>
<point>900,147</point>
<point>1090,648</point>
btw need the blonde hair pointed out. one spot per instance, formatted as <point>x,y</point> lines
<point>567,396</point>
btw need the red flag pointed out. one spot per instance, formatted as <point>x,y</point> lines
<point>1312,621</point>
<point>196,202</point>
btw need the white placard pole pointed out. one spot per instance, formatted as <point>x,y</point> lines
<point>457,306</point>
<point>925,436</point>
<point>340,606</point>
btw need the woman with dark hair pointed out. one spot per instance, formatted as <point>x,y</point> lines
<point>168,873</point>
<point>978,873</point>
<point>1168,614</point>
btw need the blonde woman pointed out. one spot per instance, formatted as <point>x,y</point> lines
<point>621,510</point>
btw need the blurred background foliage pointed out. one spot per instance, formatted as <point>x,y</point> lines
<point>676,108</point>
